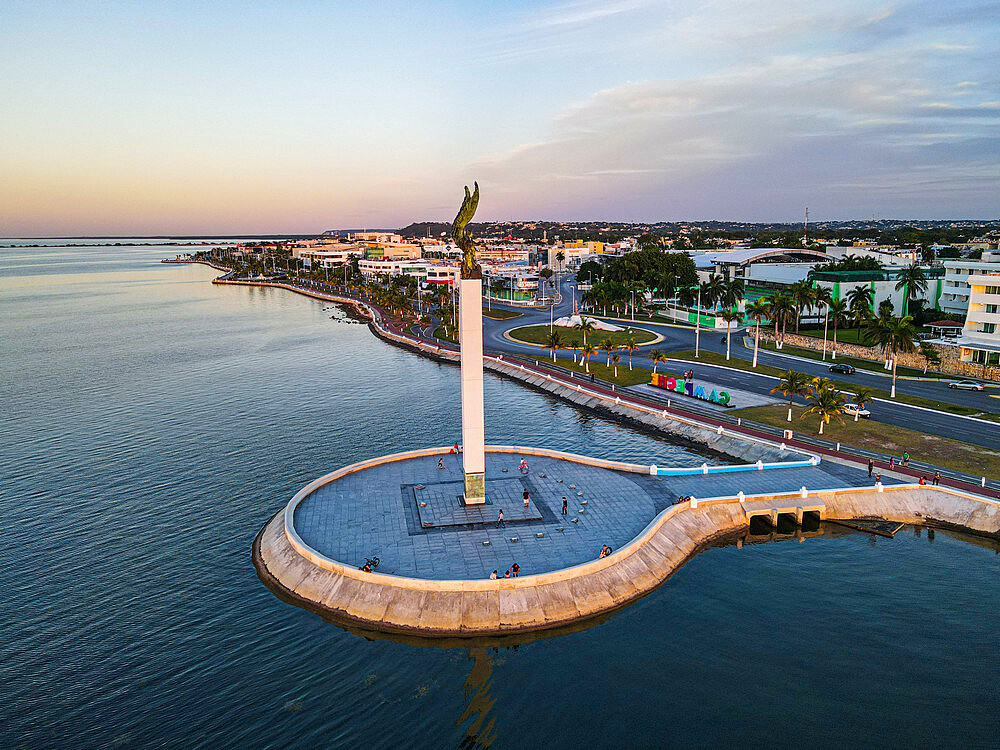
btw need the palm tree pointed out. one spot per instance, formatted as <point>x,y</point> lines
<point>586,325</point>
<point>729,316</point>
<point>804,296</point>
<point>657,356</point>
<point>553,341</point>
<point>757,311</point>
<point>860,301</point>
<point>826,403</point>
<point>837,310</point>
<point>902,333</point>
<point>822,297</point>
<point>609,346</point>
<point>630,346</point>
<point>793,384</point>
<point>497,286</point>
<point>561,257</point>
<point>615,359</point>
<point>782,305</point>
<point>821,383</point>
<point>587,350</point>
<point>862,396</point>
<point>713,290</point>
<point>914,281</point>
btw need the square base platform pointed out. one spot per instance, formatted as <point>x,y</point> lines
<point>443,504</point>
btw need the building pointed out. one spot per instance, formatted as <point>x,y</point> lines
<point>328,256</point>
<point>422,270</point>
<point>980,341</point>
<point>380,237</point>
<point>955,294</point>
<point>733,264</point>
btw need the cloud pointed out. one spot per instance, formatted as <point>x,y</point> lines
<point>755,138</point>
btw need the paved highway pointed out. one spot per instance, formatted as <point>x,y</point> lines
<point>678,339</point>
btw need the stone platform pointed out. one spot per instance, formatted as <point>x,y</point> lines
<point>434,581</point>
<point>441,504</point>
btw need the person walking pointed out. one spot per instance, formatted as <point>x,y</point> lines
<point>906,458</point>
<point>871,467</point>
<point>892,462</point>
<point>937,478</point>
<point>500,523</point>
<point>525,495</point>
<point>564,506</point>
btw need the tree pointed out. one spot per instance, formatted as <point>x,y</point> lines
<point>862,396</point>
<point>782,305</point>
<point>497,286</point>
<point>804,296</point>
<point>553,341</point>
<point>932,357</point>
<point>758,310</point>
<point>902,333</point>
<point>630,346</point>
<point>914,281</point>
<point>587,350</point>
<point>713,290</point>
<point>825,403</point>
<point>859,300</point>
<point>793,384</point>
<point>838,314</point>
<point>657,356</point>
<point>589,271</point>
<point>615,359</point>
<point>561,257</point>
<point>585,326</point>
<point>609,346</point>
<point>729,316</point>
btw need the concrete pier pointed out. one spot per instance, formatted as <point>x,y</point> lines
<point>433,582</point>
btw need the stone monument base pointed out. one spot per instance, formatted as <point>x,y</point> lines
<point>475,489</point>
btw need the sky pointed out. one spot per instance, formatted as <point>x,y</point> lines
<point>120,118</point>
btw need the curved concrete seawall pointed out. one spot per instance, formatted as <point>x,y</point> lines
<point>535,602</point>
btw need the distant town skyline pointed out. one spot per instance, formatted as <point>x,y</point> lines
<point>183,119</point>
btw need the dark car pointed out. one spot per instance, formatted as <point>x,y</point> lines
<point>845,369</point>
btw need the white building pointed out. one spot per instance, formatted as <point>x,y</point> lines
<point>381,237</point>
<point>955,294</point>
<point>328,258</point>
<point>432,273</point>
<point>980,342</point>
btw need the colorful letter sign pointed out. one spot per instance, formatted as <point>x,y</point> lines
<point>686,387</point>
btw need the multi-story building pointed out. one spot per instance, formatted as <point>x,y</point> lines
<point>382,237</point>
<point>980,341</point>
<point>328,256</point>
<point>422,270</point>
<point>955,293</point>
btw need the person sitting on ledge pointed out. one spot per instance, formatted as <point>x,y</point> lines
<point>493,576</point>
<point>515,570</point>
<point>507,574</point>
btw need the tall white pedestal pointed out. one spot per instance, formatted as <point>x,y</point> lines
<point>470,339</point>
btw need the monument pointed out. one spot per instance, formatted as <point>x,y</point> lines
<point>470,340</point>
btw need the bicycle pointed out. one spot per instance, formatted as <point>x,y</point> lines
<point>370,564</point>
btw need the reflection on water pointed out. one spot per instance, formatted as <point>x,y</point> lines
<point>151,423</point>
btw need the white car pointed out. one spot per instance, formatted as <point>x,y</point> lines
<point>852,410</point>
<point>965,385</point>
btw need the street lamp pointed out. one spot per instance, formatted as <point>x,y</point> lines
<point>697,324</point>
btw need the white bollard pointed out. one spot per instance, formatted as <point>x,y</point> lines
<point>879,485</point>
<point>664,413</point>
<point>741,496</point>
<point>668,402</point>
<point>652,470</point>
<point>704,468</point>
<point>760,465</point>
<point>803,492</point>
<point>983,483</point>
<point>838,447</point>
<point>739,421</point>
<point>694,501</point>
<point>618,400</point>
<point>782,446</point>
<point>720,429</point>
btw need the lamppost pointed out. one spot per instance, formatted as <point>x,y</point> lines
<point>826,321</point>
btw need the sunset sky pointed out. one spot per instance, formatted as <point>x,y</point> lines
<point>191,117</point>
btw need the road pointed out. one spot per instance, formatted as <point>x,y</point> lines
<point>678,338</point>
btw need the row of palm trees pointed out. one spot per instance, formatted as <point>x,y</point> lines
<point>555,341</point>
<point>892,334</point>
<point>824,399</point>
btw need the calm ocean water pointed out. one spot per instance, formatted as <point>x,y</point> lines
<point>151,423</point>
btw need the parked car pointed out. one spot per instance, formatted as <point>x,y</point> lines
<point>842,368</point>
<point>852,409</point>
<point>966,385</point>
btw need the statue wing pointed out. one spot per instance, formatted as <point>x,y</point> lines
<point>465,213</point>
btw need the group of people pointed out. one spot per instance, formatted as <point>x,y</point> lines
<point>605,551</point>
<point>689,374</point>
<point>682,499</point>
<point>512,572</point>
<point>904,461</point>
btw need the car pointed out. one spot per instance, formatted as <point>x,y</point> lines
<point>852,409</point>
<point>845,369</point>
<point>965,385</point>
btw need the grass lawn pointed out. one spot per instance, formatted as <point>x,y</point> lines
<point>573,338</point>
<point>884,438</point>
<point>844,335</point>
<point>498,314</point>
<point>440,334</point>
<point>715,358</point>
<point>861,364</point>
